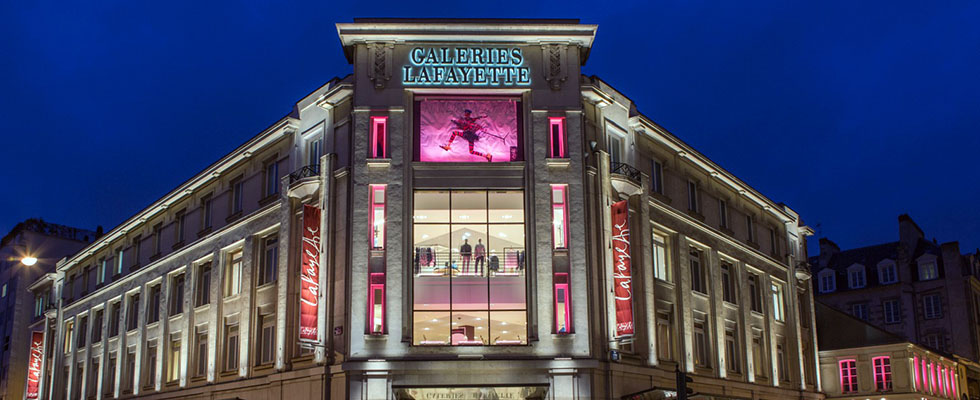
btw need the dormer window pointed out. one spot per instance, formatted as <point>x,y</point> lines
<point>887,272</point>
<point>827,282</point>
<point>928,270</point>
<point>856,278</point>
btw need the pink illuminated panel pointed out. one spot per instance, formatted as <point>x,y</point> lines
<point>925,376</point>
<point>377,217</point>
<point>563,311</point>
<point>918,378</point>
<point>468,130</point>
<point>379,137</point>
<point>952,378</point>
<point>559,210</point>
<point>848,376</point>
<point>932,377</point>
<point>376,303</point>
<point>556,137</point>
<point>882,373</point>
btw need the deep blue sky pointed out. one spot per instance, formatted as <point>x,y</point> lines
<point>851,112</point>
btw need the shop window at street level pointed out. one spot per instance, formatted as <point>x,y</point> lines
<point>556,137</point>
<point>379,137</point>
<point>469,268</point>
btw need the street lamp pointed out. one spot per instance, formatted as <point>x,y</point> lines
<point>28,261</point>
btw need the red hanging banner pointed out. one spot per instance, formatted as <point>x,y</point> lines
<point>310,274</point>
<point>622,270</point>
<point>34,364</point>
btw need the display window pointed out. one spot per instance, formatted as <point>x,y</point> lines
<point>482,129</point>
<point>377,217</point>
<point>469,268</point>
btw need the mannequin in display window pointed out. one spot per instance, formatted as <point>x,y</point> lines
<point>480,253</point>
<point>466,252</point>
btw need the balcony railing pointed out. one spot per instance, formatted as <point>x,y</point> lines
<point>626,170</point>
<point>438,262</point>
<point>305,172</point>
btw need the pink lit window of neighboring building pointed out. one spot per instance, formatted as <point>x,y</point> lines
<point>918,378</point>
<point>376,303</point>
<point>925,376</point>
<point>556,137</point>
<point>883,373</point>
<point>563,304</point>
<point>377,217</point>
<point>559,211</point>
<point>932,378</point>
<point>945,378</point>
<point>952,379</point>
<point>848,376</point>
<point>379,136</point>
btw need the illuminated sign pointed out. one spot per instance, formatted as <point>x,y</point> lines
<point>456,66</point>
<point>310,274</point>
<point>622,270</point>
<point>34,364</point>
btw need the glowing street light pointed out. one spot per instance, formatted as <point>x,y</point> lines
<point>28,261</point>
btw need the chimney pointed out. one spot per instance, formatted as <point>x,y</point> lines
<point>909,233</point>
<point>98,231</point>
<point>827,251</point>
<point>953,260</point>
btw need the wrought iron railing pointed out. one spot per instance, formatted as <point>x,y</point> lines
<point>626,170</point>
<point>305,172</point>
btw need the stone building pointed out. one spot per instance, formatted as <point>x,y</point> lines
<point>466,215</point>
<point>29,251</point>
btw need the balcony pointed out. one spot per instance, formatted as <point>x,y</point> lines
<point>625,179</point>
<point>803,271</point>
<point>305,181</point>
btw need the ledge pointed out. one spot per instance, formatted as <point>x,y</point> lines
<point>379,163</point>
<point>558,162</point>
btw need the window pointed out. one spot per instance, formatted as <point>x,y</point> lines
<point>778,307</point>
<point>932,377</point>
<point>616,143</point>
<point>925,376</point>
<point>892,310</point>
<point>69,330</point>
<point>755,292</point>
<point>202,353</point>
<point>469,268</point>
<point>313,150</point>
<point>665,342</point>
<point>917,375</point>
<point>468,129</point>
<point>556,138</point>
<point>701,349</point>
<point>77,382</point>
<point>932,306</point>
<point>233,274</point>
<point>848,376</point>
<point>379,137</point>
<point>132,317</point>
<point>934,341</point>
<point>271,177</point>
<point>856,277</point>
<point>749,228</point>
<point>731,350</point>
<point>828,283</point>
<point>883,373</point>
<point>563,304</point>
<point>722,214</point>
<point>657,177</point>
<point>860,311</point>
<point>237,195</point>
<point>173,374</point>
<point>130,379</point>
<point>728,283</point>
<point>82,332</point>
<point>887,273</point>
<point>782,361</point>
<point>377,216</point>
<point>153,306</point>
<point>40,303</point>
<point>376,299</point>
<point>114,314</point>
<point>157,240</point>
<point>270,260</point>
<point>177,295</point>
<point>267,342</point>
<point>207,213</point>
<point>692,196</point>
<point>203,284</point>
<point>180,222</point>
<point>109,385</point>
<point>119,261</point>
<point>137,250</point>
<point>231,347</point>
<point>661,258</point>
<point>151,365</point>
<point>928,271</point>
<point>697,271</point>
<point>101,274</point>
<point>97,326</point>
<point>559,213</point>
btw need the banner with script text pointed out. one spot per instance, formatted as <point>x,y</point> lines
<point>622,270</point>
<point>34,364</point>
<point>310,274</point>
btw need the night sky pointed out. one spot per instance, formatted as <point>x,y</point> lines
<point>851,112</point>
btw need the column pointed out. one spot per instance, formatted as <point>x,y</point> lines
<point>684,317</point>
<point>645,265</point>
<point>284,277</point>
<point>215,326</point>
<point>715,302</point>
<point>246,314</point>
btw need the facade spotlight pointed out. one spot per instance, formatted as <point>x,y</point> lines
<point>28,261</point>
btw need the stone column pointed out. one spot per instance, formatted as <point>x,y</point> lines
<point>645,266</point>
<point>684,317</point>
<point>215,325</point>
<point>248,300</point>
<point>745,312</point>
<point>284,277</point>
<point>712,269</point>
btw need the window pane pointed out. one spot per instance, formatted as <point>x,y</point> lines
<point>432,260</point>
<point>506,247</point>
<point>506,206</point>
<point>462,241</point>
<point>470,328</point>
<point>431,207</point>
<point>507,292</point>
<point>431,328</point>
<point>508,327</point>
<point>469,293</point>
<point>469,206</point>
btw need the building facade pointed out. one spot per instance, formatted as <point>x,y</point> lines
<point>861,361</point>
<point>29,251</point>
<point>466,215</point>
<point>918,289</point>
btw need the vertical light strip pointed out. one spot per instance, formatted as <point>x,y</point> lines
<point>556,137</point>
<point>379,137</point>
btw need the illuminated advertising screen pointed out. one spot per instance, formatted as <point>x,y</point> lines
<point>468,130</point>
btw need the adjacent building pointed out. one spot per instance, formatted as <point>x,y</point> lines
<point>916,288</point>
<point>29,251</point>
<point>466,215</point>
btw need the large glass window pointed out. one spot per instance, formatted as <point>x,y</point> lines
<point>469,268</point>
<point>660,258</point>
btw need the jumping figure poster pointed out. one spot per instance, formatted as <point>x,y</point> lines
<point>468,130</point>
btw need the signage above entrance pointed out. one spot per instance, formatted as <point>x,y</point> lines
<point>466,66</point>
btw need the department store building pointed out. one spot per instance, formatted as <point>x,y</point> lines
<point>465,216</point>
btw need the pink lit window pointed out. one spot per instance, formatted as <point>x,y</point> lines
<point>883,373</point>
<point>945,379</point>
<point>377,217</point>
<point>952,378</point>
<point>379,136</point>
<point>559,210</point>
<point>932,377</point>
<point>563,304</point>
<point>556,137</point>
<point>848,376</point>
<point>925,376</point>
<point>376,303</point>
<point>918,376</point>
